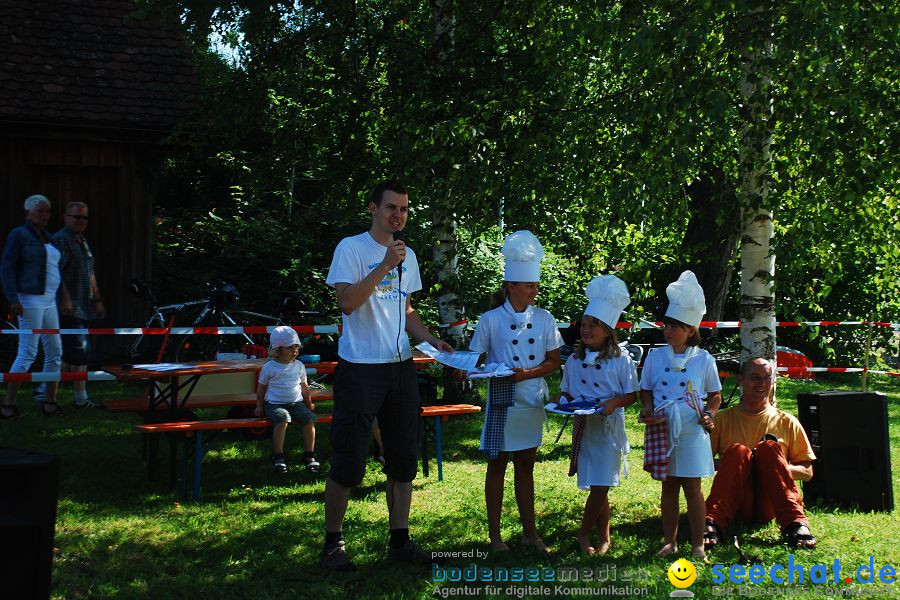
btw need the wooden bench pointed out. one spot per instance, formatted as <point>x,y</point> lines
<point>197,428</point>
<point>139,405</point>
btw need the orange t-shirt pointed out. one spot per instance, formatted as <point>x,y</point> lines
<point>735,426</point>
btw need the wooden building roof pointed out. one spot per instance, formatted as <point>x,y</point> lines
<point>93,63</point>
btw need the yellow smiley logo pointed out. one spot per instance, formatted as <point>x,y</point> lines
<point>682,573</point>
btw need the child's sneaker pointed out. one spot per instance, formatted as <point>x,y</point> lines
<point>86,403</point>
<point>278,464</point>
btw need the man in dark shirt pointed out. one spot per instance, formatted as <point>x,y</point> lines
<point>80,279</point>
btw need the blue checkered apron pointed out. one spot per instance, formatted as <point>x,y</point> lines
<point>501,395</point>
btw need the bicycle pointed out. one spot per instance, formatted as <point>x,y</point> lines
<point>217,311</point>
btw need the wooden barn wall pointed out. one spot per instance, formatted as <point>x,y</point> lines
<point>107,176</point>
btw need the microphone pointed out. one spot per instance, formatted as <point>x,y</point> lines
<point>396,235</point>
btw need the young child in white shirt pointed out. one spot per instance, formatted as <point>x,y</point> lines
<point>599,372</point>
<point>526,339</point>
<point>680,393</point>
<point>283,396</point>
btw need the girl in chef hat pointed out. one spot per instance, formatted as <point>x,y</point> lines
<point>526,339</point>
<point>680,392</point>
<point>599,372</point>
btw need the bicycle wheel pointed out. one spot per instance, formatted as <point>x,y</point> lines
<point>146,348</point>
<point>205,346</point>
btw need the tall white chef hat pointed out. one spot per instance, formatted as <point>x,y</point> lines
<point>523,253</point>
<point>607,298</point>
<point>686,300</point>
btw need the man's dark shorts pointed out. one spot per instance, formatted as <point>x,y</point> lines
<point>75,347</point>
<point>362,392</point>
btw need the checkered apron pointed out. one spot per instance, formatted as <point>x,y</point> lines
<point>656,451</point>
<point>577,432</point>
<point>501,395</point>
<point>614,428</point>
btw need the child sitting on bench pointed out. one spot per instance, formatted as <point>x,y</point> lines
<point>283,396</point>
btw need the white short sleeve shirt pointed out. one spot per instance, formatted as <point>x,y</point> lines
<point>284,381</point>
<point>371,332</point>
<point>518,340</point>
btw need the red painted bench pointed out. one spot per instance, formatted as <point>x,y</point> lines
<point>139,405</point>
<point>439,413</point>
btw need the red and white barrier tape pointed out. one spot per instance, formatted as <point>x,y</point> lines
<point>57,376</point>
<point>104,376</point>
<point>250,329</point>
<point>264,329</point>
<point>737,324</point>
<point>40,377</point>
<point>798,370</point>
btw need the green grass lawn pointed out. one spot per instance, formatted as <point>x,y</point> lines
<point>257,535</point>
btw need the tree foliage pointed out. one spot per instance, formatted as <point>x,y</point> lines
<point>612,130</point>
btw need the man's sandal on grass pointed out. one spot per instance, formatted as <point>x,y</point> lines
<point>712,537</point>
<point>798,535</point>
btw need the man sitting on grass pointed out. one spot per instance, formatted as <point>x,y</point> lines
<point>762,450</point>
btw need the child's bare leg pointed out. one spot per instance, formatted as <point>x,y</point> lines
<point>669,506</point>
<point>603,526</point>
<point>523,463</point>
<point>696,509</point>
<point>595,506</point>
<point>309,437</point>
<point>493,498</point>
<point>278,433</point>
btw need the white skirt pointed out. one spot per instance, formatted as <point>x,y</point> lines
<point>523,428</point>
<point>599,460</point>
<point>692,457</point>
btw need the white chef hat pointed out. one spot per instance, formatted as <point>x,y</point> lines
<point>686,300</point>
<point>283,336</point>
<point>523,253</point>
<point>607,298</point>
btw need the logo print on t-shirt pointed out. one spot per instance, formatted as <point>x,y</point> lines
<point>386,289</point>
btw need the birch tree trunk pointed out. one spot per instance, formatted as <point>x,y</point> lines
<point>757,310</point>
<point>445,255</point>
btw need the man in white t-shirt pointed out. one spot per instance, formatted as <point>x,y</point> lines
<point>375,375</point>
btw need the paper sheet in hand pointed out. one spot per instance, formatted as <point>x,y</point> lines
<point>490,370</point>
<point>458,360</point>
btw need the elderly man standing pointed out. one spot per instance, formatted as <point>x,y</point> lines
<point>762,451</point>
<point>81,281</point>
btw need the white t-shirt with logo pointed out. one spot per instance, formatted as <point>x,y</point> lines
<point>284,381</point>
<point>371,331</point>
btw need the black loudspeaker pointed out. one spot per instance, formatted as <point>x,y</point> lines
<point>849,435</point>
<point>30,486</point>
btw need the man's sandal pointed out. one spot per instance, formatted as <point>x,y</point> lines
<point>55,410</point>
<point>712,537</point>
<point>795,538</point>
<point>9,412</point>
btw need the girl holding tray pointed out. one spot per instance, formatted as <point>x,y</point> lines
<point>676,381</point>
<point>526,339</point>
<point>601,376</point>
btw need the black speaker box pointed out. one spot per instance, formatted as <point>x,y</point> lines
<point>849,435</point>
<point>28,494</point>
